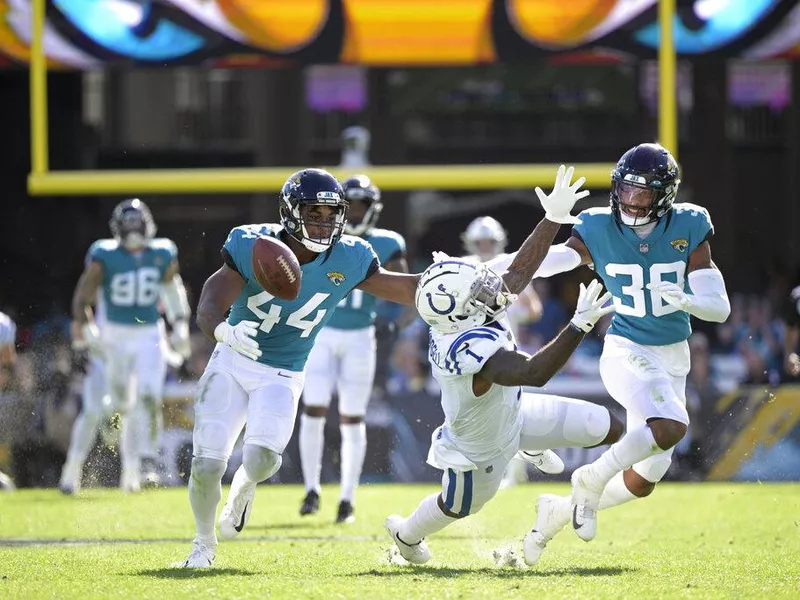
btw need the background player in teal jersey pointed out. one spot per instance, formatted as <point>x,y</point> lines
<point>256,372</point>
<point>343,357</point>
<point>654,257</point>
<point>132,272</point>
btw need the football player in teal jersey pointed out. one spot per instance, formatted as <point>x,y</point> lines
<point>343,358</point>
<point>256,372</point>
<point>654,256</point>
<point>132,272</point>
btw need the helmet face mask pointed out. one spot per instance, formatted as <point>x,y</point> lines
<point>360,192</point>
<point>644,185</point>
<point>454,295</point>
<point>132,224</point>
<point>484,238</point>
<point>301,216</point>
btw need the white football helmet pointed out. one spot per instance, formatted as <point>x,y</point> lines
<point>454,295</point>
<point>484,228</point>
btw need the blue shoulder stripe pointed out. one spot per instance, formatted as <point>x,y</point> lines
<point>484,333</point>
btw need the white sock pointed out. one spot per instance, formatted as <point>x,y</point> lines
<point>354,448</point>
<point>240,481</point>
<point>205,492</point>
<point>129,444</point>
<point>634,447</point>
<point>151,426</point>
<point>427,519</point>
<point>84,432</point>
<point>312,440</point>
<point>616,493</point>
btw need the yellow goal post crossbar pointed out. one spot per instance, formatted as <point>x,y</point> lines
<point>43,181</point>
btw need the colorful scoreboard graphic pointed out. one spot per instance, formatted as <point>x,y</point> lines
<point>83,34</point>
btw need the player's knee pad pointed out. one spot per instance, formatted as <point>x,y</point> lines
<point>654,468</point>
<point>586,424</point>
<point>260,463</point>
<point>207,471</point>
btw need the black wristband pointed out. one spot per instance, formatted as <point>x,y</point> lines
<point>576,328</point>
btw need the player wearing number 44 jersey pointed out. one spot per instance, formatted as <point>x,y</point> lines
<point>654,257</point>
<point>257,371</point>
<point>133,272</point>
<point>344,357</point>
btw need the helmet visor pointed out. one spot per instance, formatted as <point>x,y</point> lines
<point>635,200</point>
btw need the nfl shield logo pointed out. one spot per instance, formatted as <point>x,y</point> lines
<point>644,248</point>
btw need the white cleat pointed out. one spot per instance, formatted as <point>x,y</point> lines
<point>586,492</point>
<point>237,509</point>
<point>552,515</point>
<point>416,554</point>
<point>546,461</point>
<point>70,482</point>
<point>201,556</point>
<point>130,480</point>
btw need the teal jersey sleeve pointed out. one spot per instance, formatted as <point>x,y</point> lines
<point>696,221</point>
<point>358,309</point>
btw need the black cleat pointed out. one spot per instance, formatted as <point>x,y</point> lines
<point>310,504</point>
<point>346,513</point>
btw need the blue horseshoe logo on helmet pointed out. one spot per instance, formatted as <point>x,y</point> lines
<point>451,298</point>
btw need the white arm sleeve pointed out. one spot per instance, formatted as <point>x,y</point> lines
<point>709,299</point>
<point>176,304</point>
<point>560,259</point>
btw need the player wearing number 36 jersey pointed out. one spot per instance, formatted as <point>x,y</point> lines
<point>654,257</point>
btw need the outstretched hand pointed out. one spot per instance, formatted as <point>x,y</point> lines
<point>558,203</point>
<point>591,306</point>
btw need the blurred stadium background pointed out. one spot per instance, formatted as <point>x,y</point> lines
<point>183,84</point>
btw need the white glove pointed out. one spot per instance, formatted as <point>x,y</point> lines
<point>179,339</point>
<point>590,307</point>
<point>92,341</point>
<point>240,337</point>
<point>672,294</point>
<point>560,201</point>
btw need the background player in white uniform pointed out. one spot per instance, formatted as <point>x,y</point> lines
<point>485,240</point>
<point>481,373</point>
<point>641,246</point>
<point>8,354</point>
<point>343,358</point>
<point>133,270</point>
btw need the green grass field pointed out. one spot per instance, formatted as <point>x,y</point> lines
<point>687,540</point>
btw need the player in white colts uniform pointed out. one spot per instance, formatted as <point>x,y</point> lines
<point>8,354</point>
<point>641,246</point>
<point>474,358</point>
<point>486,241</point>
<point>133,271</point>
<point>343,357</point>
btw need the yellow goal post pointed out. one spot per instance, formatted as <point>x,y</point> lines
<point>43,181</point>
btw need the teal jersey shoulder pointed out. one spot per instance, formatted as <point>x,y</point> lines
<point>132,280</point>
<point>287,328</point>
<point>627,263</point>
<point>358,310</point>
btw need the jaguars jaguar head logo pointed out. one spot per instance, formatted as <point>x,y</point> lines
<point>336,277</point>
<point>680,244</point>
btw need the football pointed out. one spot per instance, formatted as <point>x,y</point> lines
<point>276,268</point>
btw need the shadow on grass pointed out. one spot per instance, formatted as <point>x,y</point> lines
<point>179,573</point>
<point>498,572</point>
